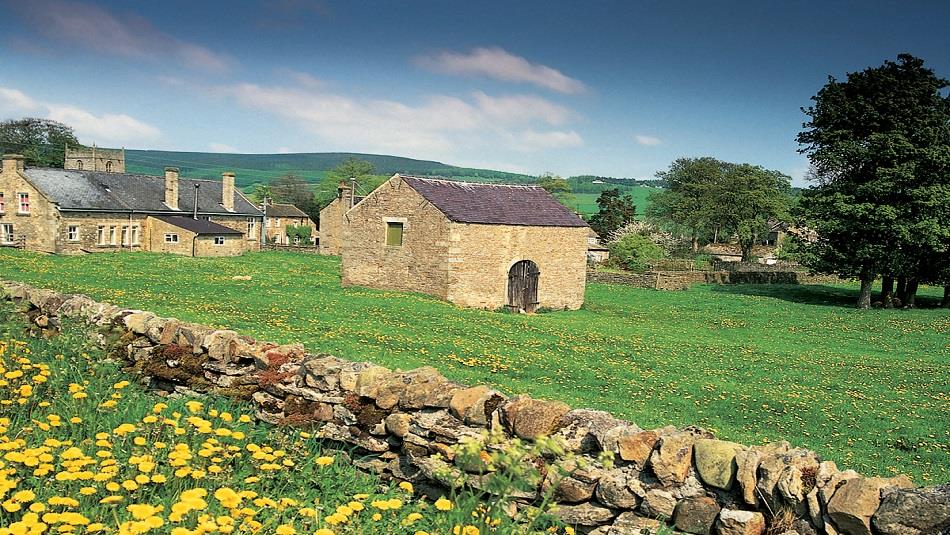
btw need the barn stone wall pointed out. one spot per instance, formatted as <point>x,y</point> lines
<point>481,255</point>
<point>331,227</point>
<point>405,426</point>
<point>420,264</point>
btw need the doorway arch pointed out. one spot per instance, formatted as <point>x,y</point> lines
<point>523,286</point>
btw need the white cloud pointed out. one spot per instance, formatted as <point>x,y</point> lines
<point>531,140</point>
<point>500,64</point>
<point>438,126</point>
<point>648,141</point>
<point>106,31</point>
<point>110,128</point>
<point>221,147</point>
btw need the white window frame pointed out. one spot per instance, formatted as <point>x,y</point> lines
<point>171,237</point>
<point>20,197</point>
<point>101,235</point>
<point>113,235</point>
<point>135,234</point>
<point>6,233</point>
<point>251,227</point>
<point>3,204</point>
<point>72,233</point>
<point>219,240</point>
<point>125,235</point>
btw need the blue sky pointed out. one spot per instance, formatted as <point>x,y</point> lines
<point>609,88</point>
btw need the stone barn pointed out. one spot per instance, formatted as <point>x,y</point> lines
<point>475,245</point>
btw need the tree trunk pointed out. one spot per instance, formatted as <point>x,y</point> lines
<point>887,292</point>
<point>911,293</point>
<point>946,297</point>
<point>695,243</point>
<point>746,252</point>
<point>864,298</point>
<point>716,235</point>
<point>901,292</point>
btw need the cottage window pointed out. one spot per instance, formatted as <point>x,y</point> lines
<point>278,223</point>
<point>112,235</point>
<point>251,227</point>
<point>6,233</point>
<point>108,167</point>
<point>101,235</point>
<point>135,234</point>
<point>72,233</point>
<point>171,238</point>
<point>219,240</point>
<point>24,204</point>
<point>3,205</point>
<point>125,234</point>
<point>267,222</point>
<point>393,233</point>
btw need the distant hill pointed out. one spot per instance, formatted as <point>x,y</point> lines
<point>312,167</point>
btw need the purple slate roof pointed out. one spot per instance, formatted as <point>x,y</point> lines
<point>495,204</point>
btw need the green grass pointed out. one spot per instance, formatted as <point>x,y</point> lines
<point>867,389</point>
<point>587,202</point>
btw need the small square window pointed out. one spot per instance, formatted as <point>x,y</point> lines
<point>393,233</point>
<point>24,203</point>
<point>219,240</point>
<point>72,233</point>
<point>171,238</point>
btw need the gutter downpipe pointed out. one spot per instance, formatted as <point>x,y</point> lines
<point>194,215</point>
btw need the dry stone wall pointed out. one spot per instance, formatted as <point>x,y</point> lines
<point>406,424</point>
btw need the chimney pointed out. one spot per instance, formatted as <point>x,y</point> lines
<point>227,190</point>
<point>171,187</point>
<point>12,162</point>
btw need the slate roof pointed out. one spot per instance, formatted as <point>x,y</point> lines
<point>91,190</point>
<point>495,204</point>
<point>200,227</point>
<point>284,210</point>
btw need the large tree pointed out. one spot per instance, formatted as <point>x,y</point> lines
<point>615,211</point>
<point>687,205</point>
<point>879,145</point>
<point>560,188</point>
<point>352,169</point>
<point>41,141</point>
<point>747,199</point>
<point>292,189</point>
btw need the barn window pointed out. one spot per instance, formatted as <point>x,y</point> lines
<point>393,233</point>
<point>108,167</point>
<point>79,164</point>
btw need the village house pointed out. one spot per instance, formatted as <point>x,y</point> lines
<point>68,211</point>
<point>332,219</point>
<point>597,252</point>
<point>475,245</point>
<point>281,216</point>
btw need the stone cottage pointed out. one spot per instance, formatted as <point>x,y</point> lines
<point>475,245</point>
<point>71,211</point>
<point>332,219</point>
<point>279,217</point>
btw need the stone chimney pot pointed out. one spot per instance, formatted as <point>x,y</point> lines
<point>171,187</point>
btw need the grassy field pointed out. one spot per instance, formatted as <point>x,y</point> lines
<point>867,389</point>
<point>85,450</point>
<point>587,202</point>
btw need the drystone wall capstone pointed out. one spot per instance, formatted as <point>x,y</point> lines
<point>405,424</point>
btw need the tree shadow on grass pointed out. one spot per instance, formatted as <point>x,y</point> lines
<point>811,294</point>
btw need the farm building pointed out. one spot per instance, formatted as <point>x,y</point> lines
<point>285,224</point>
<point>332,219</point>
<point>475,245</point>
<point>72,211</point>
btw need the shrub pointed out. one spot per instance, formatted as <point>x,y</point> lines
<point>633,252</point>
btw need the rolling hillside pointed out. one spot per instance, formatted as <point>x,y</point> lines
<point>312,167</point>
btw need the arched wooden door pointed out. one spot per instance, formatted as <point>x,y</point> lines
<point>523,286</point>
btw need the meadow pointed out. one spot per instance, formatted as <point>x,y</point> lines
<point>867,389</point>
<point>587,202</point>
<point>85,450</point>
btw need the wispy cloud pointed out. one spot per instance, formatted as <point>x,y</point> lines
<point>500,64</point>
<point>437,126</point>
<point>109,128</point>
<point>222,147</point>
<point>104,31</point>
<point>648,141</point>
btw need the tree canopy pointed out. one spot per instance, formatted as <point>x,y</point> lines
<point>351,169</point>
<point>559,188</point>
<point>292,189</point>
<point>708,198</point>
<point>41,141</point>
<point>615,211</point>
<point>879,146</point>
